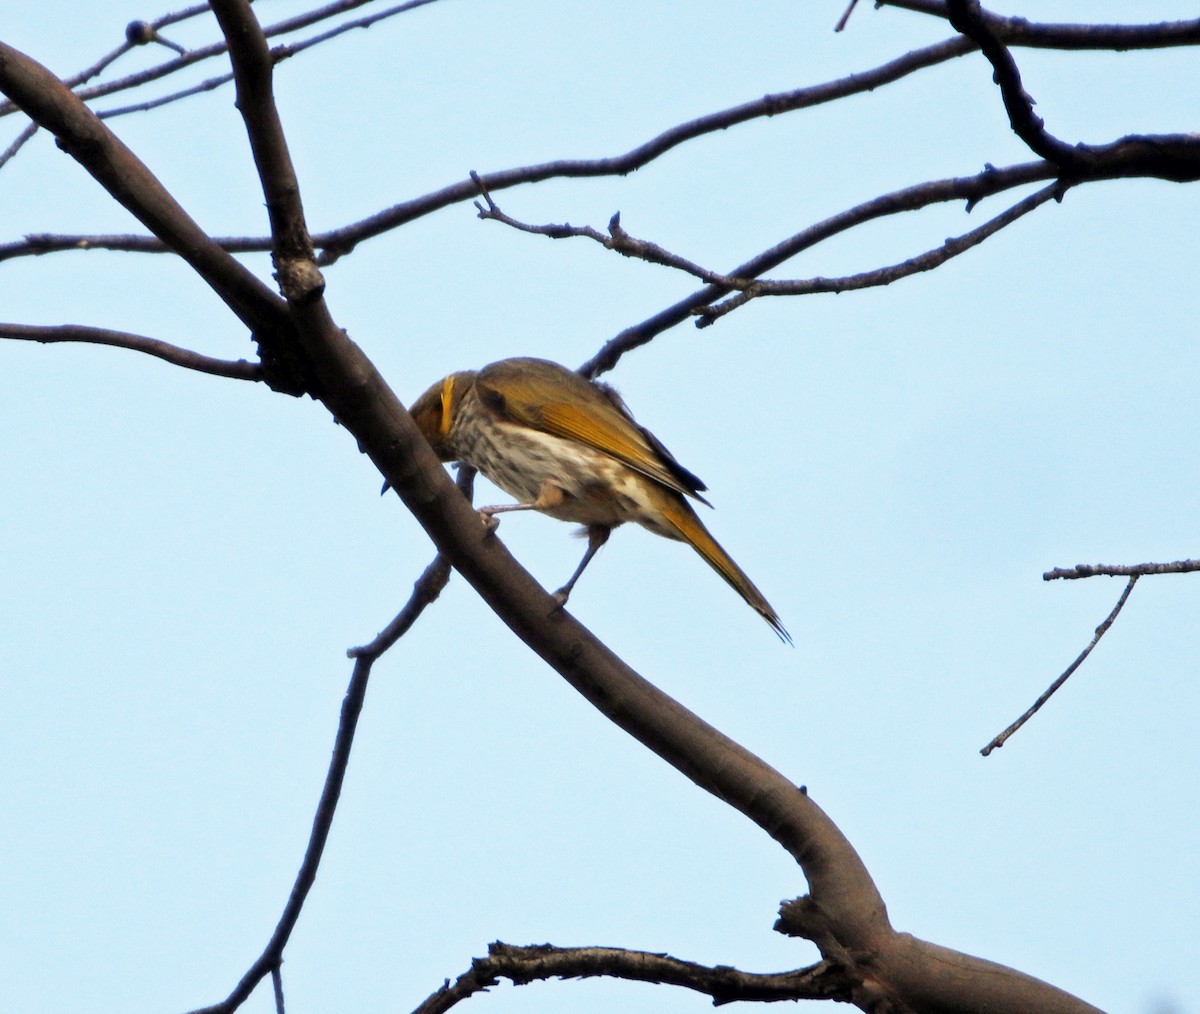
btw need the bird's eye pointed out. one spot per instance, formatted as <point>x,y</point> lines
<point>491,398</point>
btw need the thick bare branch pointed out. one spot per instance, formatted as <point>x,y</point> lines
<point>967,17</point>
<point>235,370</point>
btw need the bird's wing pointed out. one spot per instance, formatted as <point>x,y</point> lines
<point>555,400</point>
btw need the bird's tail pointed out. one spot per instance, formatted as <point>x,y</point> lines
<point>691,530</point>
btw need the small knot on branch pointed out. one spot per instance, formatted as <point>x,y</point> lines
<point>140,33</point>
<point>300,280</point>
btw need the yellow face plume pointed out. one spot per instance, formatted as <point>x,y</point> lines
<point>435,410</point>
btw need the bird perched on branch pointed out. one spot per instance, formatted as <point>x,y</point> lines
<point>570,448</point>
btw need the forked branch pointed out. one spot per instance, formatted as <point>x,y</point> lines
<point>1080,571</point>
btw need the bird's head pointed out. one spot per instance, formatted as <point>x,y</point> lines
<point>435,410</point>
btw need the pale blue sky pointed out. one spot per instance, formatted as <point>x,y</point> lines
<point>187,559</point>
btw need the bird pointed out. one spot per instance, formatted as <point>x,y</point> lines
<point>570,448</point>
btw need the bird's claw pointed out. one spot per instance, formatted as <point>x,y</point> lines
<point>490,521</point>
<point>561,596</point>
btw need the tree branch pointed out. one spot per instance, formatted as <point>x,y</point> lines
<point>971,189</point>
<point>253,66</point>
<point>748,288</point>
<point>1174,157</point>
<point>272,955</point>
<point>1001,739</point>
<point>17,144</point>
<point>86,139</point>
<point>187,59</point>
<point>926,261</point>
<point>234,370</point>
<point>523,965</point>
<point>1081,570</point>
<point>845,914</point>
<point>967,17</point>
<point>1018,31</point>
<point>425,591</point>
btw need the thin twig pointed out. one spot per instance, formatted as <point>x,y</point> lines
<point>1000,740</point>
<point>277,987</point>
<point>35,244</point>
<point>616,239</point>
<point>425,591</point>
<point>352,704</point>
<point>238,369</point>
<point>18,143</point>
<point>1119,570</point>
<point>138,33</point>
<point>841,24</point>
<point>207,85</point>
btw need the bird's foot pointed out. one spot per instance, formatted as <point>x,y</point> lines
<point>562,595</point>
<point>490,521</point>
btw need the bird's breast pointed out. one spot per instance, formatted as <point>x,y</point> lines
<point>599,488</point>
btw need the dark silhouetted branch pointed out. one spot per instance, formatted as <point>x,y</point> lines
<point>967,17</point>
<point>271,956</point>
<point>277,989</point>
<point>235,370</point>
<point>886,275</point>
<point>1018,31</point>
<point>194,56</point>
<point>971,189</point>
<point>426,590</point>
<point>1174,157</point>
<point>748,288</point>
<point>86,139</point>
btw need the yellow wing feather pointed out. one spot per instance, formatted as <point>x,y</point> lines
<point>548,397</point>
